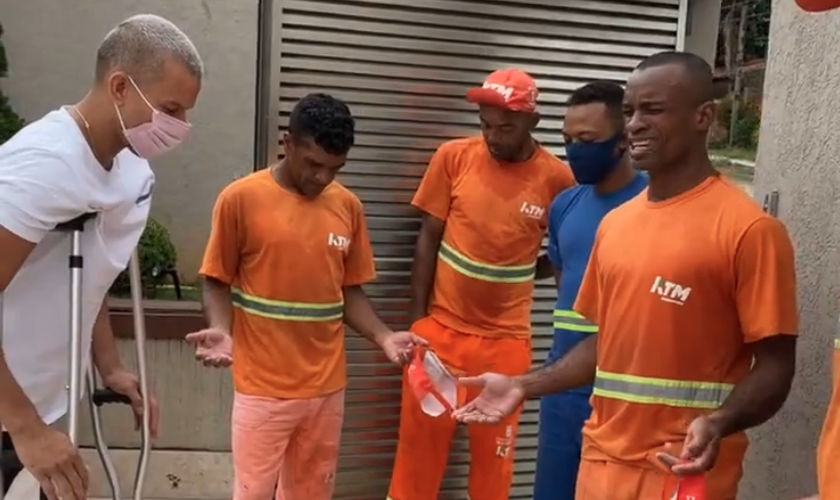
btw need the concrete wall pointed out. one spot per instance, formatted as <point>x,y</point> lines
<point>702,24</point>
<point>191,457</point>
<point>798,155</point>
<point>51,47</point>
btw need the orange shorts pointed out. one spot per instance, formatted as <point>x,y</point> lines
<point>287,446</point>
<point>423,447</point>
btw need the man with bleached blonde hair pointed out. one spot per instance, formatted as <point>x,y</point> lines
<point>89,157</point>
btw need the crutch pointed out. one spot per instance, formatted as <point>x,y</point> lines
<point>75,228</point>
<point>99,397</point>
<point>2,451</point>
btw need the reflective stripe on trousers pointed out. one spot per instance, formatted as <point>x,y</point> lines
<point>486,272</point>
<point>660,391</point>
<point>566,319</point>
<point>289,311</point>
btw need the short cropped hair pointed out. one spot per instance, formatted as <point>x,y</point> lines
<point>698,75</point>
<point>140,46</point>
<point>324,119</point>
<point>610,94</point>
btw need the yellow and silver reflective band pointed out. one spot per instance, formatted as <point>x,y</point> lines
<point>660,391</point>
<point>486,272</point>
<point>289,311</point>
<point>565,319</point>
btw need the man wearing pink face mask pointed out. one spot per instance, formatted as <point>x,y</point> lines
<point>89,157</point>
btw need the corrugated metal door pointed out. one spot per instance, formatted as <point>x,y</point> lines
<point>403,67</point>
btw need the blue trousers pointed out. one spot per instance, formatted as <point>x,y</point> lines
<point>558,453</point>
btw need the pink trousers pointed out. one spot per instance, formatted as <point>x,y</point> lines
<point>288,443</point>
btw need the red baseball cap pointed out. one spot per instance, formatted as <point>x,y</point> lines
<point>511,89</point>
<point>817,5</point>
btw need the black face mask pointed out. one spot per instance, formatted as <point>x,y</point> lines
<point>592,162</point>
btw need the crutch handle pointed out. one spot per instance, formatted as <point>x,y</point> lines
<point>108,396</point>
<point>77,224</point>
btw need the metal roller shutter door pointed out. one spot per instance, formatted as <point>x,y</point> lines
<point>403,67</point>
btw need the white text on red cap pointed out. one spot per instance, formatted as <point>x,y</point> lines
<point>503,90</point>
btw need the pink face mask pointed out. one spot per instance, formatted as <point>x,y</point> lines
<point>156,137</point>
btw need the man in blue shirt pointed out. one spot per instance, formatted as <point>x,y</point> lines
<point>596,149</point>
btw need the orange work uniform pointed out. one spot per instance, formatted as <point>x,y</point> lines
<point>828,453</point>
<point>479,318</point>
<point>680,289</point>
<point>287,259</point>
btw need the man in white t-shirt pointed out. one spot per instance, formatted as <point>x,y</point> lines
<point>90,157</point>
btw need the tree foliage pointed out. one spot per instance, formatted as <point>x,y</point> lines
<point>10,122</point>
<point>757,30</point>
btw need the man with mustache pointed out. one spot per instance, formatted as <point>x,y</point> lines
<point>598,154</point>
<point>484,201</point>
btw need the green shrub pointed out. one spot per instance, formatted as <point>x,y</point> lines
<point>747,125</point>
<point>157,256</point>
<point>745,132</point>
<point>10,122</point>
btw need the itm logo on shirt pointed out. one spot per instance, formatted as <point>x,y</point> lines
<point>532,211</point>
<point>338,241</point>
<point>669,291</point>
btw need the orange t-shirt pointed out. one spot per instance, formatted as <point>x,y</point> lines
<point>679,290</point>
<point>828,453</point>
<point>287,259</point>
<point>495,218</point>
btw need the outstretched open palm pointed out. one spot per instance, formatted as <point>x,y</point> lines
<point>212,347</point>
<point>500,396</point>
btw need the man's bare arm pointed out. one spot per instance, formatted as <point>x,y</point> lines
<point>575,369</point>
<point>763,391</point>
<point>360,316</point>
<point>217,304</point>
<point>106,357</point>
<point>423,268</point>
<point>17,412</point>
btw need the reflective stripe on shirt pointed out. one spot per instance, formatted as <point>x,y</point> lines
<point>660,391</point>
<point>565,319</point>
<point>289,311</point>
<point>486,272</point>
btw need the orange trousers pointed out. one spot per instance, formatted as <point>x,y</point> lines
<point>288,443</point>
<point>600,480</point>
<point>612,481</point>
<point>423,447</point>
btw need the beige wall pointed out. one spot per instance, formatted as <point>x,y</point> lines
<point>798,155</point>
<point>51,47</point>
<point>702,28</point>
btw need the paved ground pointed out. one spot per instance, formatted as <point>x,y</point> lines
<point>743,175</point>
